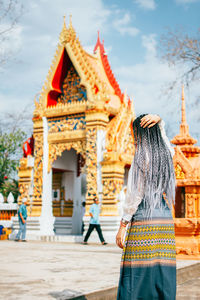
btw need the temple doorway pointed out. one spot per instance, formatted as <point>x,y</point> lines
<point>67,193</point>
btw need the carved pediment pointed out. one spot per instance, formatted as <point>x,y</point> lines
<point>182,165</point>
<point>179,172</point>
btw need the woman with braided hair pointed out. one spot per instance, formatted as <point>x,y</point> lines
<point>148,265</point>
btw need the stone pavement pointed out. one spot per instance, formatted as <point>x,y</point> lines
<point>42,270</point>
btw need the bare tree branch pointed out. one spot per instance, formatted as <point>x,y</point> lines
<point>181,50</point>
<point>10,13</point>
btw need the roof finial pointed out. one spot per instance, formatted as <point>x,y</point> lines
<point>70,20</point>
<point>183,113</point>
<point>125,98</point>
<point>64,21</point>
<point>183,138</point>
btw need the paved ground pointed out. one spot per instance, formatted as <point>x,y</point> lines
<point>39,270</point>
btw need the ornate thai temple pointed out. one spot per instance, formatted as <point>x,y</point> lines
<point>187,207</point>
<point>82,146</point>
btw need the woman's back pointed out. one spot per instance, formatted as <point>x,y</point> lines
<point>148,264</point>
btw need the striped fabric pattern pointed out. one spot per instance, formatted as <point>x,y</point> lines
<point>150,242</point>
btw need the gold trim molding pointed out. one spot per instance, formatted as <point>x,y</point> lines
<point>56,150</point>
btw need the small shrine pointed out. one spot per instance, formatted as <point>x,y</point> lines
<point>187,207</point>
<point>81,145</point>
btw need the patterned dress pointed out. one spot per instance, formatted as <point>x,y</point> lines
<point>148,265</point>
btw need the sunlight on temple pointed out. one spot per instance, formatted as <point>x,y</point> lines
<point>82,142</point>
<point>82,146</point>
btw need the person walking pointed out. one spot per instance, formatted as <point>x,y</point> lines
<point>94,222</point>
<point>148,264</point>
<point>22,216</point>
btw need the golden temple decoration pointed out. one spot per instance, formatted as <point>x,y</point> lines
<point>112,180</point>
<point>198,205</point>
<point>118,131</point>
<point>186,162</point>
<point>38,111</point>
<point>179,172</point>
<point>25,178</point>
<point>112,187</point>
<point>67,124</point>
<point>67,34</point>
<point>63,109</point>
<point>24,174</point>
<point>38,168</point>
<point>91,163</point>
<point>56,150</point>
<point>128,148</point>
<point>72,90</point>
<point>182,162</point>
<point>191,200</point>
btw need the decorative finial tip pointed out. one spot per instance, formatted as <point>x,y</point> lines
<point>125,96</point>
<point>183,96</point>
<point>70,19</point>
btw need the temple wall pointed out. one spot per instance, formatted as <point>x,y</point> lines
<point>100,150</point>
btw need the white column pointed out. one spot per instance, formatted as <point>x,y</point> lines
<point>47,219</point>
<point>101,135</point>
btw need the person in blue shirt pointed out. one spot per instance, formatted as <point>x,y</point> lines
<point>94,222</point>
<point>22,216</point>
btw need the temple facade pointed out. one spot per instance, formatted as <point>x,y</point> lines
<point>82,143</point>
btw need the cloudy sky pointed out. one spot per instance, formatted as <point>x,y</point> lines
<point>131,30</point>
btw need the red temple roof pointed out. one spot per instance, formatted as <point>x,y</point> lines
<point>107,68</point>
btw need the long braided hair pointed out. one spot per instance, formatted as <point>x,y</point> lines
<point>153,170</point>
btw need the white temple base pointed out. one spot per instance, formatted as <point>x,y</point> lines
<point>63,226</point>
<point>32,228</point>
<point>63,230</point>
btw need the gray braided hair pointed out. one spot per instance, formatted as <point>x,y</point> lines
<point>153,170</point>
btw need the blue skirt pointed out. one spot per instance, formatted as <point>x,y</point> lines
<point>148,264</point>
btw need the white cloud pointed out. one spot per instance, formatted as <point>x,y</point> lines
<point>146,4</point>
<point>149,43</point>
<point>123,25</point>
<point>10,42</point>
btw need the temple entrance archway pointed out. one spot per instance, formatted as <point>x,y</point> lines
<point>68,193</point>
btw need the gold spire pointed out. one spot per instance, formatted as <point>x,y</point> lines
<point>183,114</point>
<point>183,138</point>
<point>184,128</point>
<point>67,34</point>
<point>125,98</point>
<point>70,20</point>
<point>64,22</point>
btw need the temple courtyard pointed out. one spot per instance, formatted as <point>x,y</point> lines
<point>51,270</point>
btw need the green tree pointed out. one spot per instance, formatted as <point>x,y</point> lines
<point>10,151</point>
